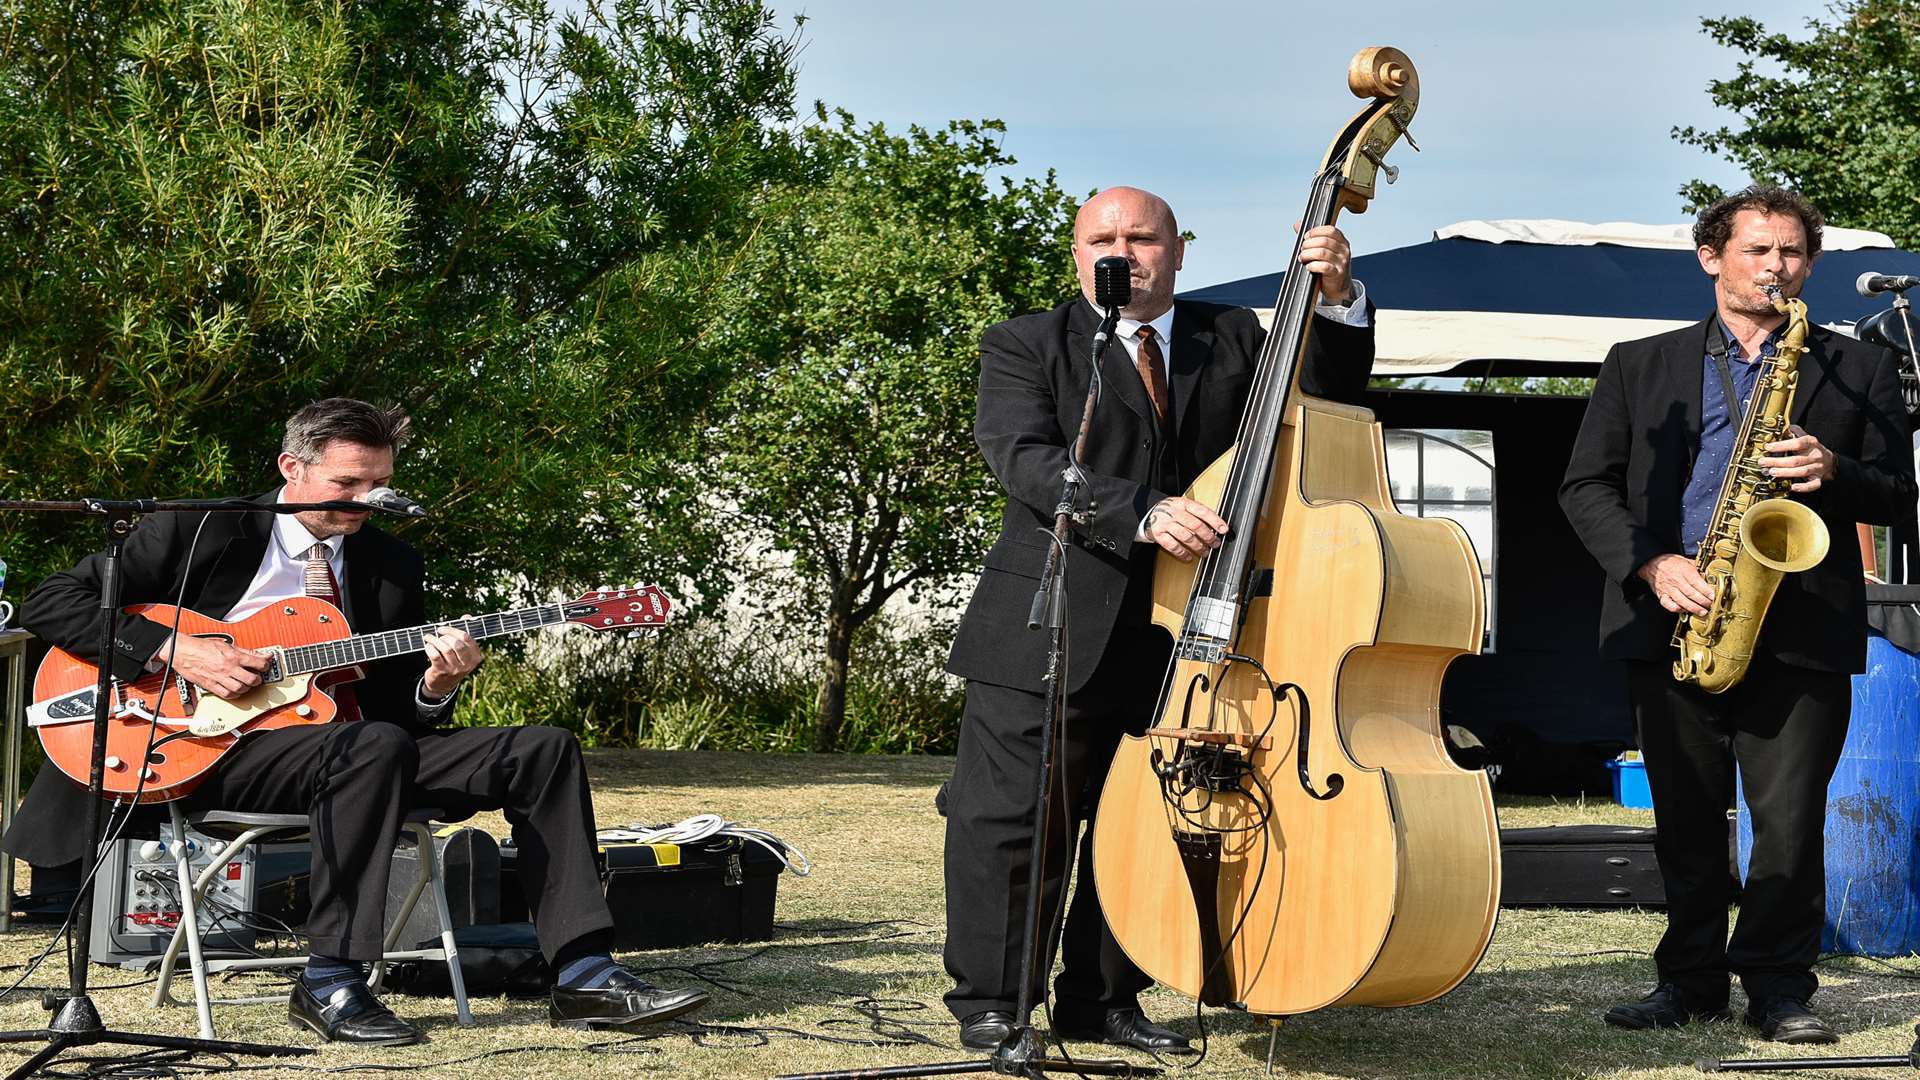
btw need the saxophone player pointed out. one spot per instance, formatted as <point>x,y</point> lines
<point>1641,490</point>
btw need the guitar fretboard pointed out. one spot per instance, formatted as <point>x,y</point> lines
<point>362,648</point>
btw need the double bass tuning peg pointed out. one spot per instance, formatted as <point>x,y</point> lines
<point>1373,154</point>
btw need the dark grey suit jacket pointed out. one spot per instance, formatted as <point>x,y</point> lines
<point>1034,372</point>
<point>1635,452</point>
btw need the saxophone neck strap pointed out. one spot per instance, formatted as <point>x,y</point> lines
<point>1718,348</point>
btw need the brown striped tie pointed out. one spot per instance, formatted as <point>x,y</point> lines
<point>1153,371</point>
<point>320,584</point>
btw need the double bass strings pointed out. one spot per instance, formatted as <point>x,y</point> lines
<point>1258,425</point>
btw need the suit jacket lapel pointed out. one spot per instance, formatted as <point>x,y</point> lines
<point>1115,367</point>
<point>239,560</point>
<point>358,593</point>
<point>1686,372</point>
<point>1814,367</point>
<point>1192,348</point>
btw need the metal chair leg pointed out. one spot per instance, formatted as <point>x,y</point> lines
<point>190,921</point>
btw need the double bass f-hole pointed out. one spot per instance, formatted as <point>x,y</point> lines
<point>1227,768</point>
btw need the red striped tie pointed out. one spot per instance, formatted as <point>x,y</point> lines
<point>321,585</point>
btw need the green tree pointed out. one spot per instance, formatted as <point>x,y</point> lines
<point>515,222</point>
<point>1835,115</point>
<point>845,443</point>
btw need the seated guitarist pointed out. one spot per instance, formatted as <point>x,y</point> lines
<point>389,750</point>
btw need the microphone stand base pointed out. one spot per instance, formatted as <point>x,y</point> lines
<point>1022,1054</point>
<point>1910,1061</point>
<point>77,1023</point>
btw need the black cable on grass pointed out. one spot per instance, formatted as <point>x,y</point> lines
<point>1894,971</point>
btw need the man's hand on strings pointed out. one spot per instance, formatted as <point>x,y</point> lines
<point>452,655</point>
<point>1184,528</point>
<point>213,665</point>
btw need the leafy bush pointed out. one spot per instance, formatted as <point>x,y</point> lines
<point>705,685</point>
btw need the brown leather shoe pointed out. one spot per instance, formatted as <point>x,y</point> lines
<point>1664,1008</point>
<point>350,1014</point>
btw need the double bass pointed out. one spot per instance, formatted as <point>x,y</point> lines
<point>1290,834</point>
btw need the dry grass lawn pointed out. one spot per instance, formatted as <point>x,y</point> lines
<point>868,824</point>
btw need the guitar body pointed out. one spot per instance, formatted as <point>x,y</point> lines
<point>1386,893</point>
<point>194,728</point>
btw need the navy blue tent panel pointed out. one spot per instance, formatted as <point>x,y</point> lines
<point>1596,280</point>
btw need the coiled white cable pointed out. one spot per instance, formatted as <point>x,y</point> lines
<point>704,827</point>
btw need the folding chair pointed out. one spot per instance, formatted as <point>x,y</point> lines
<point>239,831</point>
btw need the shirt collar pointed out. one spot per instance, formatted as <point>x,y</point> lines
<point>294,539</point>
<point>1162,327</point>
<point>1128,328</point>
<point>1767,344</point>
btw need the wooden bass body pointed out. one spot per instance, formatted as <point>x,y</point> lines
<point>1384,893</point>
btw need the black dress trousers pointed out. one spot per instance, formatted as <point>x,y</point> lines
<point>1784,728</point>
<point>990,821</point>
<point>356,782</point>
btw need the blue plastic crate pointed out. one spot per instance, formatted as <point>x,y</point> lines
<point>1630,784</point>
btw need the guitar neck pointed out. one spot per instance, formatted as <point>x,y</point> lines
<point>364,648</point>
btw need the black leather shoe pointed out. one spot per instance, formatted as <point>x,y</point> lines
<point>350,1014</point>
<point>1130,1027</point>
<point>986,1030</point>
<point>1788,1020</point>
<point>626,1001</point>
<point>1664,1008</point>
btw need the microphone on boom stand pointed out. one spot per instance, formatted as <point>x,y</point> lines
<point>1112,290</point>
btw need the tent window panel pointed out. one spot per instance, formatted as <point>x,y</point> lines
<point>1449,473</point>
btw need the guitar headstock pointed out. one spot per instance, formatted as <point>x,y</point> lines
<point>620,609</point>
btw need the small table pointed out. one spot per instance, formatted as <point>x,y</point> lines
<point>13,653</point>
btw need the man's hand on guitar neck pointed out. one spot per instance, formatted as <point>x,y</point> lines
<point>212,664</point>
<point>452,655</point>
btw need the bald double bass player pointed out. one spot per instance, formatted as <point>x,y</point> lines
<point>1177,380</point>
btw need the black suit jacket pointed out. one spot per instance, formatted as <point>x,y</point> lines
<point>1635,452</point>
<point>1034,372</point>
<point>383,591</point>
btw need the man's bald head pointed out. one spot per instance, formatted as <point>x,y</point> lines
<point>1135,199</point>
<point>1138,226</point>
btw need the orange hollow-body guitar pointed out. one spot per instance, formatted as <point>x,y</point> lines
<point>164,734</point>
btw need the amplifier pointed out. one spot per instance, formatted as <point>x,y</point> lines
<point>137,899</point>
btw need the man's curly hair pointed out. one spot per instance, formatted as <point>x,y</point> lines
<point>1715,225</point>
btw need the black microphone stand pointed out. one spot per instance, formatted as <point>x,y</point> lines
<point>1023,1052</point>
<point>76,1022</point>
<point>1910,1060</point>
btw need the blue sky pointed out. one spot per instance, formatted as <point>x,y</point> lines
<point>1225,108</point>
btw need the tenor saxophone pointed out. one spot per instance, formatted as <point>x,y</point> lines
<point>1757,534</point>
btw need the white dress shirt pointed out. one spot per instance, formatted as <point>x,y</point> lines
<point>283,570</point>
